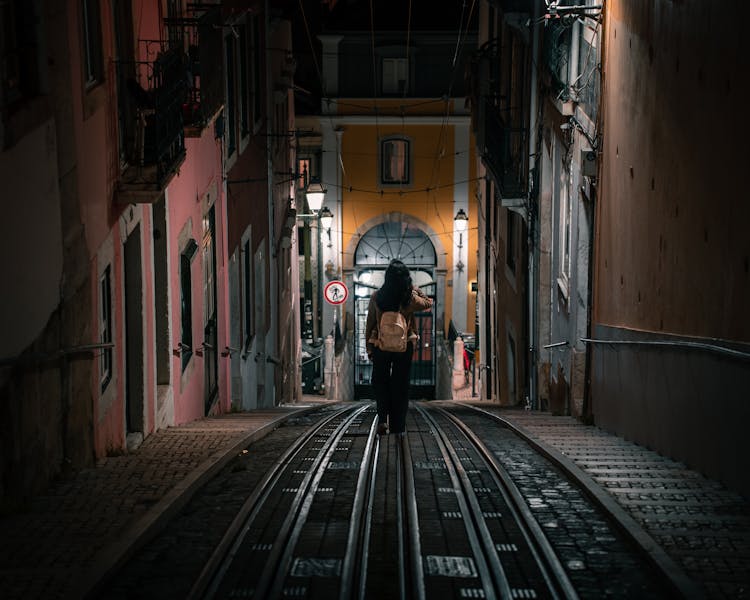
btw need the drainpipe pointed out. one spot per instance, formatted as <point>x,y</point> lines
<point>533,236</point>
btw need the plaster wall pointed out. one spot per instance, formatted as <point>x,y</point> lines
<point>30,239</point>
<point>673,245</point>
<point>362,200</point>
<point>190,194</point>
<point>671,259</point>
<point>687,404</point>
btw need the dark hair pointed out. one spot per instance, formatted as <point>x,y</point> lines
<point>396,291</point>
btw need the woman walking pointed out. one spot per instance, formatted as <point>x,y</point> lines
<point>391,310</point>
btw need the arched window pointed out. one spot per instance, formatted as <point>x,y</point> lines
<point>395,239</point>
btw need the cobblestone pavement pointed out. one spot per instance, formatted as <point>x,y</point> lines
<point>69,536</point>
<point>703,527</point>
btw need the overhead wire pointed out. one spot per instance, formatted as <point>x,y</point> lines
<point>446,99</point>
<point>443,134</point>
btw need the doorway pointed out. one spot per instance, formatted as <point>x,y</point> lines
<point>377,247</point>
<point>134,371</point>
<point>210,337</point>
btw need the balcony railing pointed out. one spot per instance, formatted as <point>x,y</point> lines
<point>501,131</point>
<point>200,35</point>
<point>505,153</point>
<point>152,99</point>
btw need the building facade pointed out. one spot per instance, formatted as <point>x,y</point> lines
<point>120,124</point>
<point>671,277</point>
<point>637,281</point>
<point>264,348</point>
<point>502,86</point>
<point>392,144</point>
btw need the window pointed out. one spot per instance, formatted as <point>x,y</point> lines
<point>561,247</point>
<point>186,302</point>
<point>394,161</point>
<point>231,103</point>
<point>244,83</point>
<point>303,168</point>
<point>259,273</point>
<point>564,230</point>
<point>511,362</point>
<point>175,34</point>
<point>19,51</point>
<point>395,75</point>
<point>92,43</point>
<point>510,241</point>
<point>105,328</point>
<point>588,82</point>
<point>258,54</point>
<point>248,293</point>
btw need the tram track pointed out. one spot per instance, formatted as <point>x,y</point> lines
<point>482,572</point>
<point>582,544</point>
<point>458,507</point>
<point>289,568</point>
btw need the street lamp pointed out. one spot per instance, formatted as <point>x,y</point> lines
<point>315,194</point>
<point>460,221</point>
<point>326,220</point>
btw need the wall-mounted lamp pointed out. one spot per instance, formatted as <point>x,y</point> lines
<point>326,220</point>
<point>460,222</point>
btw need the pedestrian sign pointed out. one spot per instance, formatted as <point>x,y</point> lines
<point>335,292</point>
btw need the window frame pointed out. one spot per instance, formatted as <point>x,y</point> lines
<point>91,44</point>
<point>392,181</point>
<point>564,221</point>
<point>392,87</point>
<point>511,234</point>
<point>256,64</point>
<point>186,302</point>
<point>248,293</point>
<point>105,327</point>
<point>230,106</point>
<point>245,96</point>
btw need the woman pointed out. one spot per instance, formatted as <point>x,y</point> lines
<point>390,371</point>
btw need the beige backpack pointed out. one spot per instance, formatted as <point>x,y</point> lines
<point>393,332</point>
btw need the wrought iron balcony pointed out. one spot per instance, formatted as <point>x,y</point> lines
<point>500,129</point>
<point>151,129</point>
<point>504,153</point>
<point>201,36</point>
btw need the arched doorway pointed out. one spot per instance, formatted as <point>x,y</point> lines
<point>375,249</point>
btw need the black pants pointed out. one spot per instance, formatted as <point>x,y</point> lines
<point>390,382</point>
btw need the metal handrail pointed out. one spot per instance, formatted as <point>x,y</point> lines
<point>675,344</point>
<point>42,357</point>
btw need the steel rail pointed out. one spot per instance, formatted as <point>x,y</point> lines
<point>215,569</point>
<point>479,535</point>
<point>271,583</point>
<point>547,559</point>
<point>681,584</point>
<point>400,505</point>
<point>411,515</point>
<point>368,522</point>
<point>355,559</point>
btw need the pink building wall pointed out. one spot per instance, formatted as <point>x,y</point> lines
<point>200,175</point>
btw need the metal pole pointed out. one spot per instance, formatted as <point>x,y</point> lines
<point>307,309</point>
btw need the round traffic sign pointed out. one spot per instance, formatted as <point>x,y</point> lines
<point>335,292</point>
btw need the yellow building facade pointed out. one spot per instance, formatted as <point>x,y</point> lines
<point>397,173</point>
